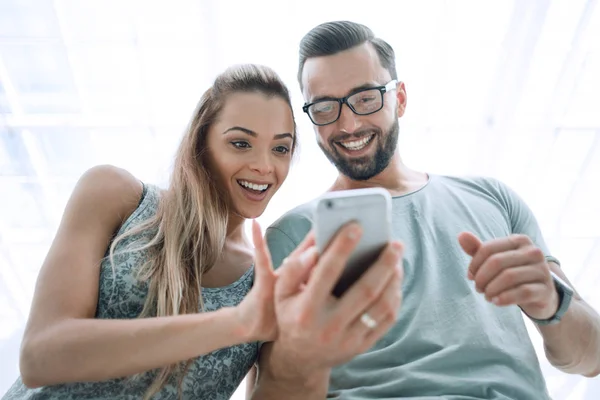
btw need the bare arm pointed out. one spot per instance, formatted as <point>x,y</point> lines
<point>573,345</point>
<point>63,342</point>
<point>512,270</point>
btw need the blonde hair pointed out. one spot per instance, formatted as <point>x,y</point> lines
<point>189,229</point>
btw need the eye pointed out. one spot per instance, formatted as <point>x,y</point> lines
<point>323,107</point>
<point>366,99</point>
<point>240,144</point>
<point>282,149</point>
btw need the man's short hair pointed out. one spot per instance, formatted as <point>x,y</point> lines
<point>333,37</point>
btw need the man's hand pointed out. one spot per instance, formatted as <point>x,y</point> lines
<point>512,270</point>
<point>318,331</point>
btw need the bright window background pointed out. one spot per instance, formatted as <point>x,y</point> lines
<point>501,88</point>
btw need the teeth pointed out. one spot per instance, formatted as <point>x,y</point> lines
<point>253,186</point>
<point>357,144</point>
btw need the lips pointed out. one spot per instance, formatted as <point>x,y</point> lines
<point>251,185</point>
<point>254,191</point>
<point>356,144</point>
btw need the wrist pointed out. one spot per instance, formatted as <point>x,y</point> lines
<point>235,325</point>
<point>295,374</point>
<point>558,304</point>
<point>543,311</point>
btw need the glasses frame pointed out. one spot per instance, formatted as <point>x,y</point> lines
<point>391,85</point>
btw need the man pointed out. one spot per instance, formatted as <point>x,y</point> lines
<point>474,264</point>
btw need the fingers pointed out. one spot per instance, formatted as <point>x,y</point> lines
<point>307,242</point>
<point>512,278</point>
<point>388,319</point>
<point>375,334</point>
<point>469,243</point>
<point>388,304</point>
<point>296,268</point>
<point>495,246</point>
<point>262,266</point>
<point>371,286</point>
<point>331,263</point>
<point>384,308</point>
<point>373,320</point>
<point>499,262</point>
<point>523,294</point>
<point>294,272</point>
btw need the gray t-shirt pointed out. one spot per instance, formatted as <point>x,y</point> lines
<point>448,342</point>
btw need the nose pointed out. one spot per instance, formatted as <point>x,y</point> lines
<point>262,164</point>
<point>348,121</point>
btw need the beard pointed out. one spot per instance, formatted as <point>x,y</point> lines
<point>364,168</point>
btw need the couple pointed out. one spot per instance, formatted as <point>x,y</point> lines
<point>159,294</point>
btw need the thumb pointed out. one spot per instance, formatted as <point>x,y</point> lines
<point>294,272</point>
<point>469,243</point>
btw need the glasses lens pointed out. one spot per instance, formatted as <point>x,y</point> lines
<point>324,112</point>
<point>367,101</point>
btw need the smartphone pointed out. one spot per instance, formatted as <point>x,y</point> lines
<point>372,209</point>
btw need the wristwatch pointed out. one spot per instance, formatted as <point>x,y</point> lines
<point>565,294</point>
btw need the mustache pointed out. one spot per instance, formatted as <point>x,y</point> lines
<point>355,135</point>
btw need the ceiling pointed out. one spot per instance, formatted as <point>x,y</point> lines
<point>501,88</point>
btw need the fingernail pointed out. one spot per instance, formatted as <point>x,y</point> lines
<point>397,247</point>
<point>354,232</point>
<point>478,289</point>
<point>470,275</point>
<point>496,300</point>
<point>307,255</point>
<point>285,260</point>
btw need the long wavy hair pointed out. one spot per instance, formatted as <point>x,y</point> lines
<point>186,236</point>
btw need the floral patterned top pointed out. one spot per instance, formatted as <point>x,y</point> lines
<point>214,376</point>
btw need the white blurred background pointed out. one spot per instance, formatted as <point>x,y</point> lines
<point>501,88</point>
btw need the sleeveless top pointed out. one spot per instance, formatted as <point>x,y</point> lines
<point>121,296</point>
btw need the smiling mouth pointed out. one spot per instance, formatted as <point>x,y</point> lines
<point>358,144</point>
<point>254,187</point>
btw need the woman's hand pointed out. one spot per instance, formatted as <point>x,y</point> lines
<point>257,312</point>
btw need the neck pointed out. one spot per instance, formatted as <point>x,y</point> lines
<point>396,177</point>
<point>235,228</point>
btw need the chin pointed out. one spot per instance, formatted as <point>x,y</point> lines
<point>249,212</point>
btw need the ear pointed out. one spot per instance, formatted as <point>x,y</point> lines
<point>401,97</point>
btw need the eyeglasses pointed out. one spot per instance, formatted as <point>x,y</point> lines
<point>364,102</point>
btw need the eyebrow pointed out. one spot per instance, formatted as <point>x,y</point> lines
<point>254,134</point>
<point>350,92</point>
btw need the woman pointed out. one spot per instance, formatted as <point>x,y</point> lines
<point>116,311</point>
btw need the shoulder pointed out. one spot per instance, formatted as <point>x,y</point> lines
<point>490,190</point>
<point>287,232</point>
<point>296,222</point>
<point>484,186</point>
<point>111,179</point>
<point>107,190</point>
<point>476,182</point>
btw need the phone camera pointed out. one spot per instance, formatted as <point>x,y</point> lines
<point>329,204</point>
